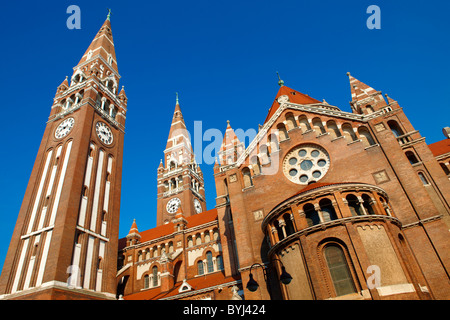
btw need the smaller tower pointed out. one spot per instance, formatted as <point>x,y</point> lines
<point>133,235</point>
<point>231,148</point>
<point>180,180</point>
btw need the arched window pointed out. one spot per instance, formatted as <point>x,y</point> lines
<point>247,177</point>
<point>273,141</point>
<point>209,262</point>
<point>155,276</point>
<point>339,270</point>
<point>207,237</point>
<point>198,239</point>
<point>216,234</point>
<point>367,203</point>
<point>423,178</point>
<point>200,270</point>
<point>289,227</point>
<point>290,121</point>
<point>282,132</point>
<point>279,230</point>
<point>366,137</point>
<point>303,123</point>
<point>411,157</point>
<point>328,212</point>
<point>256,165</point>
<point>395,128</point>
<point>146,281</point>
<point>349,134</point>
<point>318,126</point>
<point>190,242</point>
<point>369,109</point>
<point>333,129</point>
<point>312,217</point>
<point>264,154</point>
<point>353,204</point>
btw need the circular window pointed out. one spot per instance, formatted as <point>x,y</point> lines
<point>306,163</point>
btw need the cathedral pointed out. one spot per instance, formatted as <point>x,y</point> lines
<point>322,204</point>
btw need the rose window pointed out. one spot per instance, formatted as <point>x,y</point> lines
<point>306,163</point>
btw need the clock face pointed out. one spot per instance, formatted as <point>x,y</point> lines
<point>104,133</point>
<point>64,128</point>
<point>173,205</point>
<point>198,206</point>
<point>283,98</point>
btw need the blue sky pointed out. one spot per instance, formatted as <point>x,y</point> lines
<point>222,58</point>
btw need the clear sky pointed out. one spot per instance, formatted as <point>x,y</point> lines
<point>222,58</point>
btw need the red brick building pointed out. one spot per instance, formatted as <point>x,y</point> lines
<point>352,205</point>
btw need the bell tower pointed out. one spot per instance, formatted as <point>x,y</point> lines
<point>180,180</point>
<point>64,245</point>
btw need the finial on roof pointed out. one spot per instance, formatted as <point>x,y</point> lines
<point>177,101</point>
<point>109,15</point>
<point>348,74</point>
<point>280,82</point>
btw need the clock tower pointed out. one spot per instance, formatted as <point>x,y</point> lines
<point>64,245</point>
<point>180,180</point>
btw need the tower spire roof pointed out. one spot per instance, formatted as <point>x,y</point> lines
<point>178,134</point>
<point>359,90</point>
<point>102,45</point>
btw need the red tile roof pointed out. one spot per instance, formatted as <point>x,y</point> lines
<point>440,147</point>
<point>294,97</point>
<point>197,283</point>
<point>166,229</point>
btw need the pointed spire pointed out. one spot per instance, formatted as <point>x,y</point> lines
<point>102,45</point>
<point>365,99</point>
<point>231,147</point>
<point>179,136</point>
<point>359,90</point>
<point>134,228</point>
<point>280,82</point>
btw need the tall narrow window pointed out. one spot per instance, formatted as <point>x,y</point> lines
<point>247,177</point>
<point>146,281</point>
<point>289,225</point>
<point>155,276</point>
<point>200,268</point>
<point>339,270</point>
<point>423,178</point>
<point>209,262</point>
<point>219,263</point>
<point>368,204</point>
